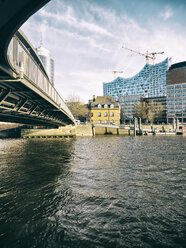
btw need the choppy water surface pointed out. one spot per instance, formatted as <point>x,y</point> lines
<point>93,192</point>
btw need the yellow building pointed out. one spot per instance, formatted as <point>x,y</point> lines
<point>104,110</point>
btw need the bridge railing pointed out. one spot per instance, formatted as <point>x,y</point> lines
<point>21,59</point>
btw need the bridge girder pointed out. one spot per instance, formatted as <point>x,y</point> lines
<point>20,100</point>
<point>30,107</point>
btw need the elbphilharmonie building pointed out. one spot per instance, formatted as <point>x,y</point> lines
<point>149,82</point>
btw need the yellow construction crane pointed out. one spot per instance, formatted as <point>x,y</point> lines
<point>147,54</point>
<point>116,72</point>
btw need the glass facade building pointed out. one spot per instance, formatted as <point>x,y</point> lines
<point>159,100</point>
<point>127,105</point>
<point>149,82</point>
<point>176,92</point>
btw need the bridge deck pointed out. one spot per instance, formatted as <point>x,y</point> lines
<point>27,96</point>
<point>26,93</point>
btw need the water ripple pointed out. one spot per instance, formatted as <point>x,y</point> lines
<point>93,192</point>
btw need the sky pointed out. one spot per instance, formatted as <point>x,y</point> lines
<point>85,39</point>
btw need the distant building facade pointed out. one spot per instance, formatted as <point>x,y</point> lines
<point>159,100</point>
<point>104,110</point>
<point>127,106</point>
<point>176,92</point>
<point>48,62</point>
<point>149,82</point>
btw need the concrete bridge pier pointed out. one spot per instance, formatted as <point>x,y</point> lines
<point>140,129</point>
<point>117,131</point>
<point>135,125</point>
<point>93,130</point>
<point>177,124</point>
<point>173,124</point>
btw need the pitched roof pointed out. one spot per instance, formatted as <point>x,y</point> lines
<point>104,100</point>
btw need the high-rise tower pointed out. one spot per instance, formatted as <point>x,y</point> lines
<point>48,62</point>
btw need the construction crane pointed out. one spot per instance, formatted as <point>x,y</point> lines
<point>116,72</point>
<point>147,54</point>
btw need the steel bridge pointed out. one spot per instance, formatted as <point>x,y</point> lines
<point>26,93</point>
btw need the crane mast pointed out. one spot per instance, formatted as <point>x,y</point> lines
<point>116,72</point>
<point>147,54</point>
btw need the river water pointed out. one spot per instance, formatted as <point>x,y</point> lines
<point>107,191</point>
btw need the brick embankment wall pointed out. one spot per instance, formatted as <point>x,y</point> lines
<point>68,131</point>
<point>126,132</point>
<point>99,130</point>
<point>165,127</point>
<point>84,130</point>
<point>105,130</point>
<point>114,131</point>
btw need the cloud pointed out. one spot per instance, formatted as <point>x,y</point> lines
<point>93,43</point>
<point>84,84</point>
<point>167,13</point>
<point>86,42</point>
<point>71,20</point>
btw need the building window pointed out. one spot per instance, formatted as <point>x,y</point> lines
<point>111,114</point>
<point>99,114</point>
<point>105,106</point>
<point>112,121</point>
<point>105,114</point>
<point>91,114</point>
<point>105,121</point>
<point>99,121</point>
<point>99,105</point>
<point>112,106</point>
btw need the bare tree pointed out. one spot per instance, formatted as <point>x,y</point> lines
<point>155,111</point>
<point>151,112</point>
<point>159,111</point>
<point>78,109</point>
<point>140,110</point>
<point>122,116</point>
<point>148,112</point>
<point>73,98</point>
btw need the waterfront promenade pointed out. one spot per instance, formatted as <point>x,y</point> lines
<point>92,130</point>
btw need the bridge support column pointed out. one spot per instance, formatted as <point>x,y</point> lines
<point>117,131</point>
<point>93,130</point>
<point>173,123</point>
<point>139,123</point>
<point>106,130</point>
<point>135,125</point>
<point>177,124</point>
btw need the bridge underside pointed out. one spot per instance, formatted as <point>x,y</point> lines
<point>13,15</point>
<point>22,101</point>
<point>20,104</point>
